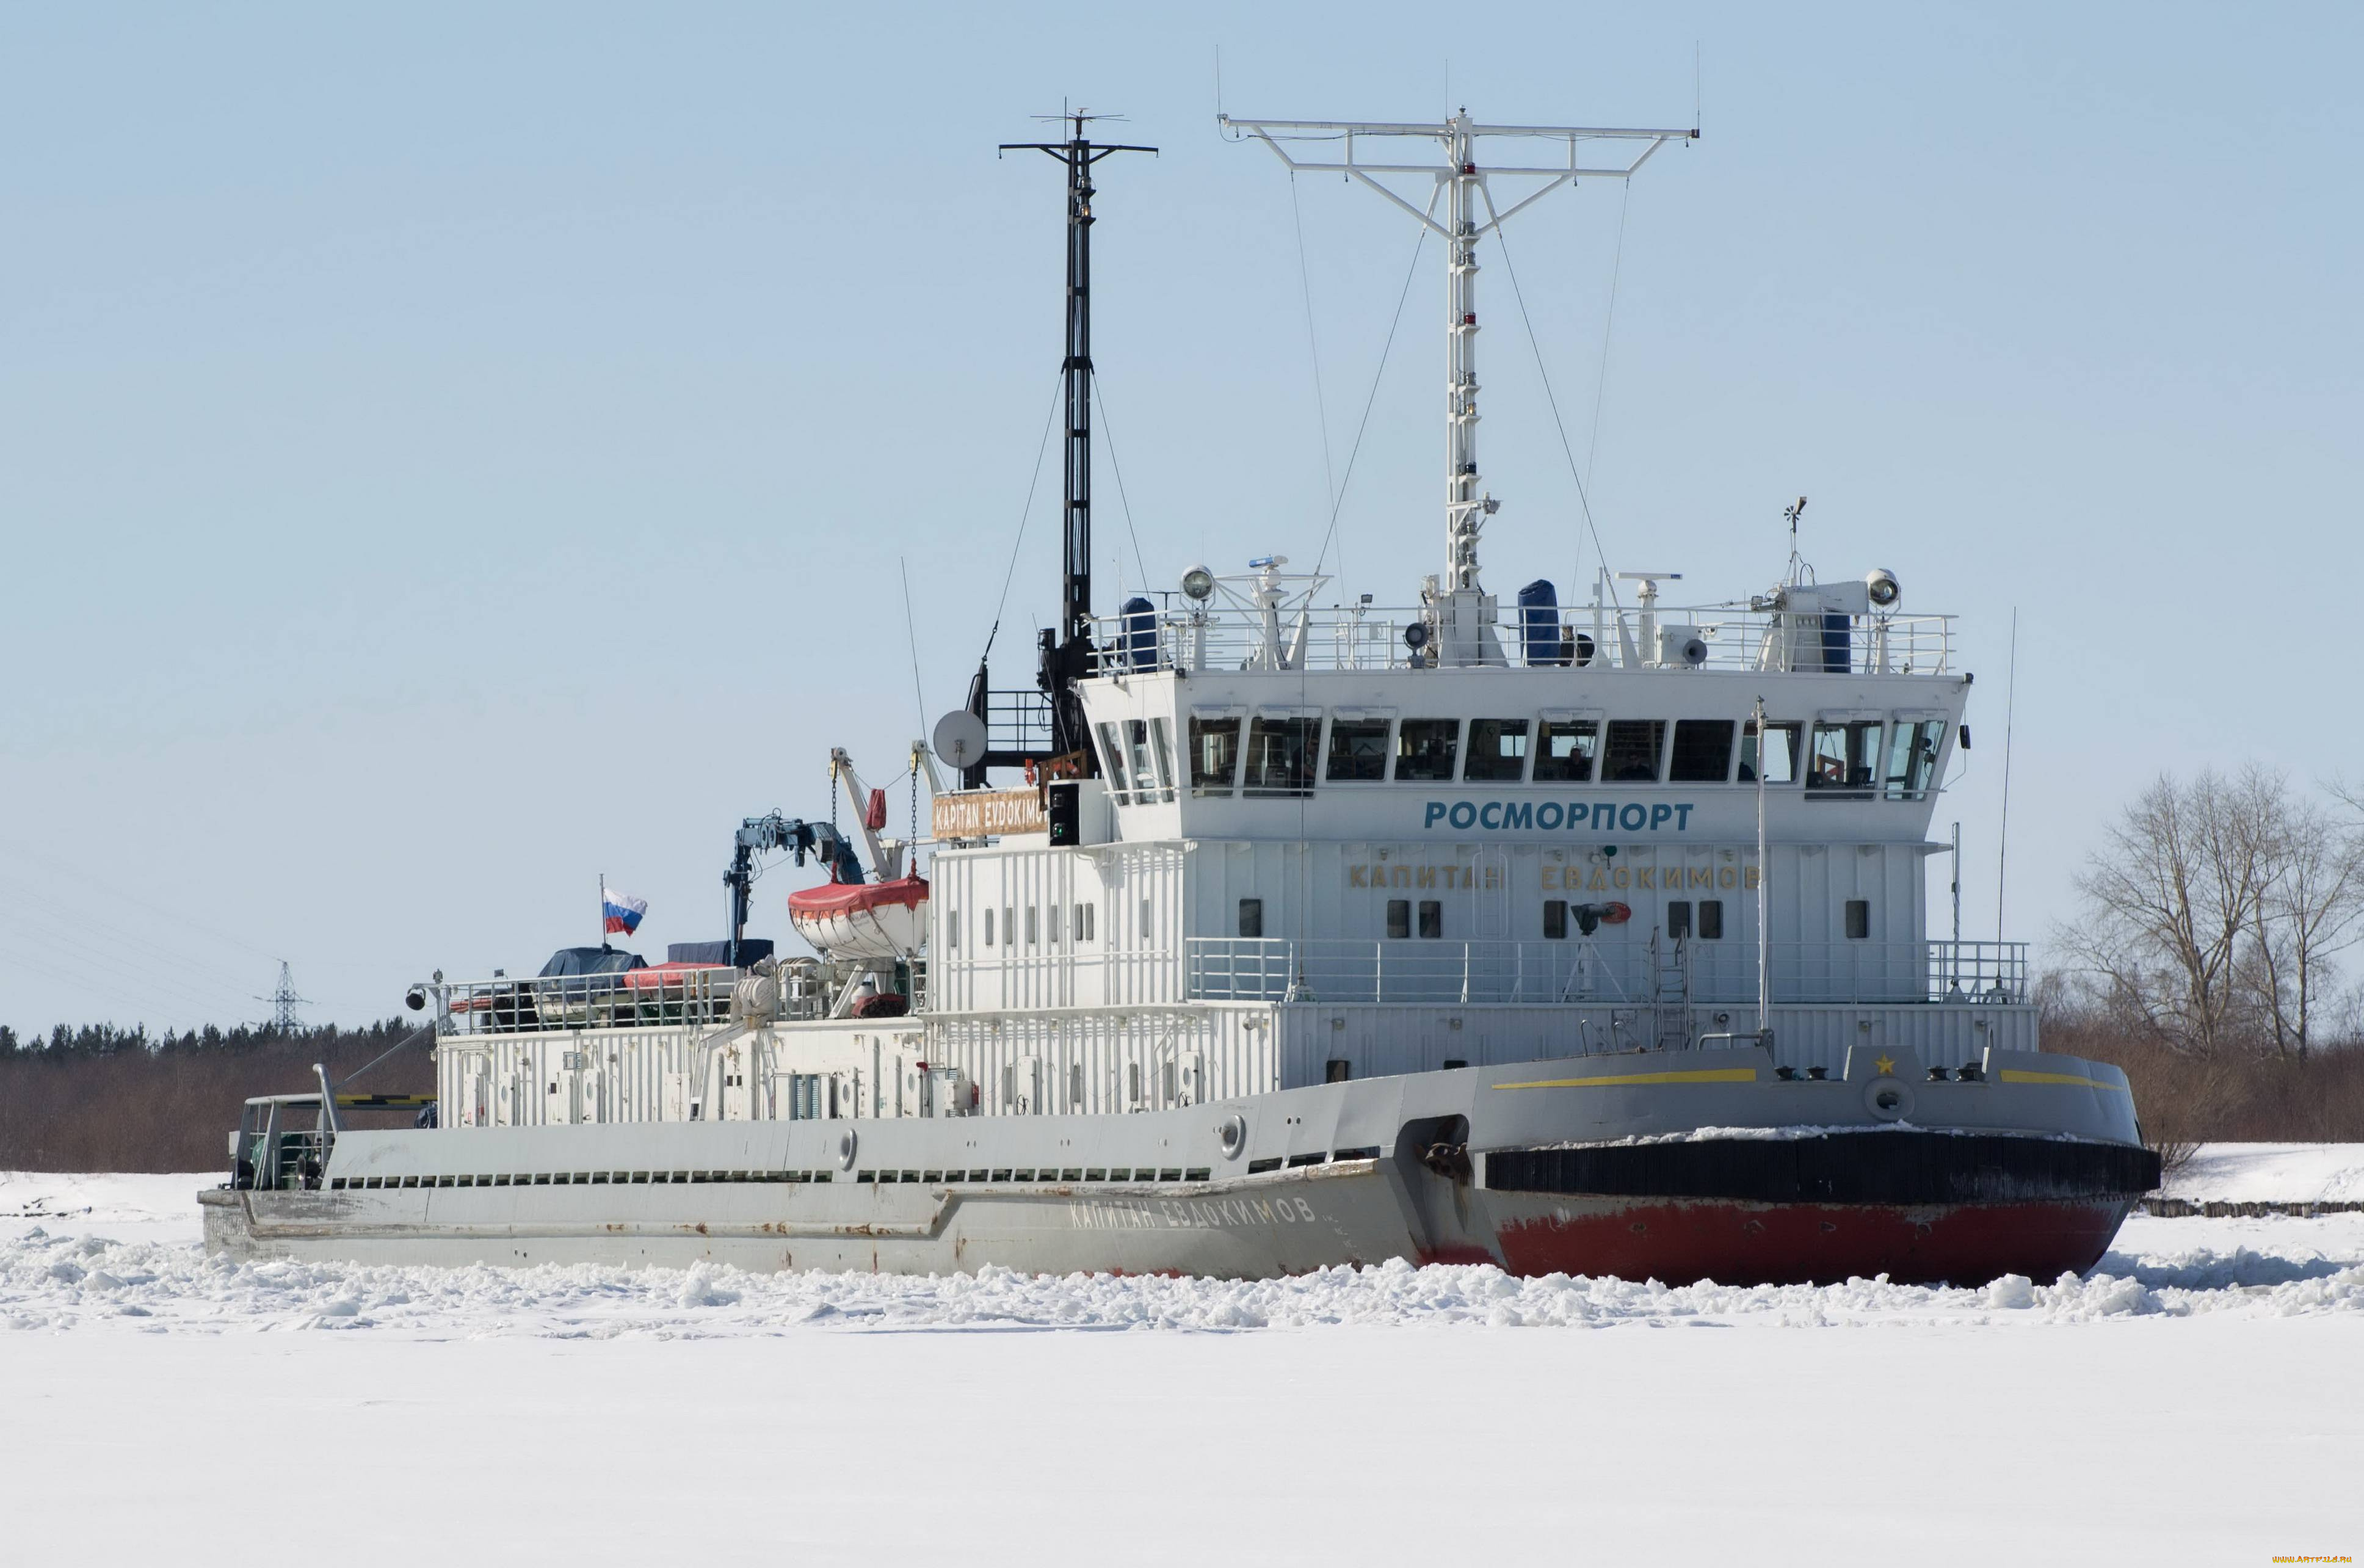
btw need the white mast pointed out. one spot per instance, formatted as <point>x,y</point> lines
<point>1465,614</point>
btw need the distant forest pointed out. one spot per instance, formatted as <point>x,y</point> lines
<point>102,1098</point>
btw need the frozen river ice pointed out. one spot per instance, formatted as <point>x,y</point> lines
<point>2199,1397</point>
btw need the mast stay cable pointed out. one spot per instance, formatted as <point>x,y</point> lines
<point>1312,344</point>
<point>1339,505</point>
<point>1124,503</point>
<point>1027,513</point>
<point>1608,321</point>
<point>1558,423</point>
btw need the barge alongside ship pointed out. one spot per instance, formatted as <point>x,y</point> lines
<point>1586,941</point>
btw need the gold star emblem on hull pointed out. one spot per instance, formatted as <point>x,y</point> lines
<point>1884,1064</point>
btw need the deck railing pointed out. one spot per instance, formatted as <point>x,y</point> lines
<point>1230,968</point>
<point>624,1000</point>
<point>1371,637</point>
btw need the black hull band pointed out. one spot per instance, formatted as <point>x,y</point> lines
<point>1908,1167</point>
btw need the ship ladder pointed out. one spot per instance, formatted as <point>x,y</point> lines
<point>1671,970</point>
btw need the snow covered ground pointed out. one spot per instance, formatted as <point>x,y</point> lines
<point>2271,1173</point>
<point>2199,1398</point>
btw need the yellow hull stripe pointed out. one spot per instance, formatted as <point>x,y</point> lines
<point>1696,1075</point>
<point>2016,1075</point>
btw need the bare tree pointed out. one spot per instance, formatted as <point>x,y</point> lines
<point>2171,898</point>
<point>2217,910</point>
<point>2310,911</point>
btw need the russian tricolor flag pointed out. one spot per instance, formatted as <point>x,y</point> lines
<point>623,911</point>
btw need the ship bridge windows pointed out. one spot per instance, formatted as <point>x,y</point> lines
<point>1781,753</point>
<point>1269,753</point>
<point>1214,753</point>
<point>1702,752</point>
<point>1115,764</point>
<point>1358,746</point>
<point>1913,748</point>
<point>1846,750</point>
<point>1426,749</point>
<point>1138,756</point>
<point>1635,745</point>
<point>1281,749</point>
<point>1497,750</point>
<point>1565,749</point>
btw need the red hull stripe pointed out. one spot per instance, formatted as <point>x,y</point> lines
<point>1751,1244</point>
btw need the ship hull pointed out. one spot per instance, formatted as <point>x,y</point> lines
<point>1247,1231</point>
<point>1743,1182</point>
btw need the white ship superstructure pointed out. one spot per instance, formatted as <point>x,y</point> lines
<point>1483,926</point>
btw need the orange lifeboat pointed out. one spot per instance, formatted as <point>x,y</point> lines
<point>862,920</point>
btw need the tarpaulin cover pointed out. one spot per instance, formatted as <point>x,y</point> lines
<point>591,961</point>
<point>752,950</point>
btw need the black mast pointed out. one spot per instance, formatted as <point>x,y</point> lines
<point>1066,648</point>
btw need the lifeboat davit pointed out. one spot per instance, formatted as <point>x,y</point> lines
<point>862,920</point>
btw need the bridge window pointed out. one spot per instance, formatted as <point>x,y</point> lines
<point>1051,922</point>
<point>1150,781</point>
<point>1912,758</point>
<point>988,928</point>
<point>1280,756</point>
<point>1431,919</point>
<point>1710,920</point>
<point>1565,750</point>
<point>1398,919</point>
<point>1118,766</point>
<point>1859,920</point>
<point>1497,750</point>
<point>1425,749</point>
<point>1358,750</point>
<point>1703,751</point>
<point>951,930</point>
<point>1633,748</point>
<point>1555,920</point>
<point>1161,736</point>
<point>1844,752</point>
<point>1086,919</point>
<point>1214,755</point>
<point>1678,919</point>
<point>1252,917</point>
<point>1780,749</point>
<point>1032,925</point>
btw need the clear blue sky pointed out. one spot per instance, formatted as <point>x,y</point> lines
<point>447,451</point>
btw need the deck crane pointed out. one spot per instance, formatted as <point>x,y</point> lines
<point>870,811</point>
<point>772,831</point>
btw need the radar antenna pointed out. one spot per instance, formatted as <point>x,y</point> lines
<point>1465,622</point>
